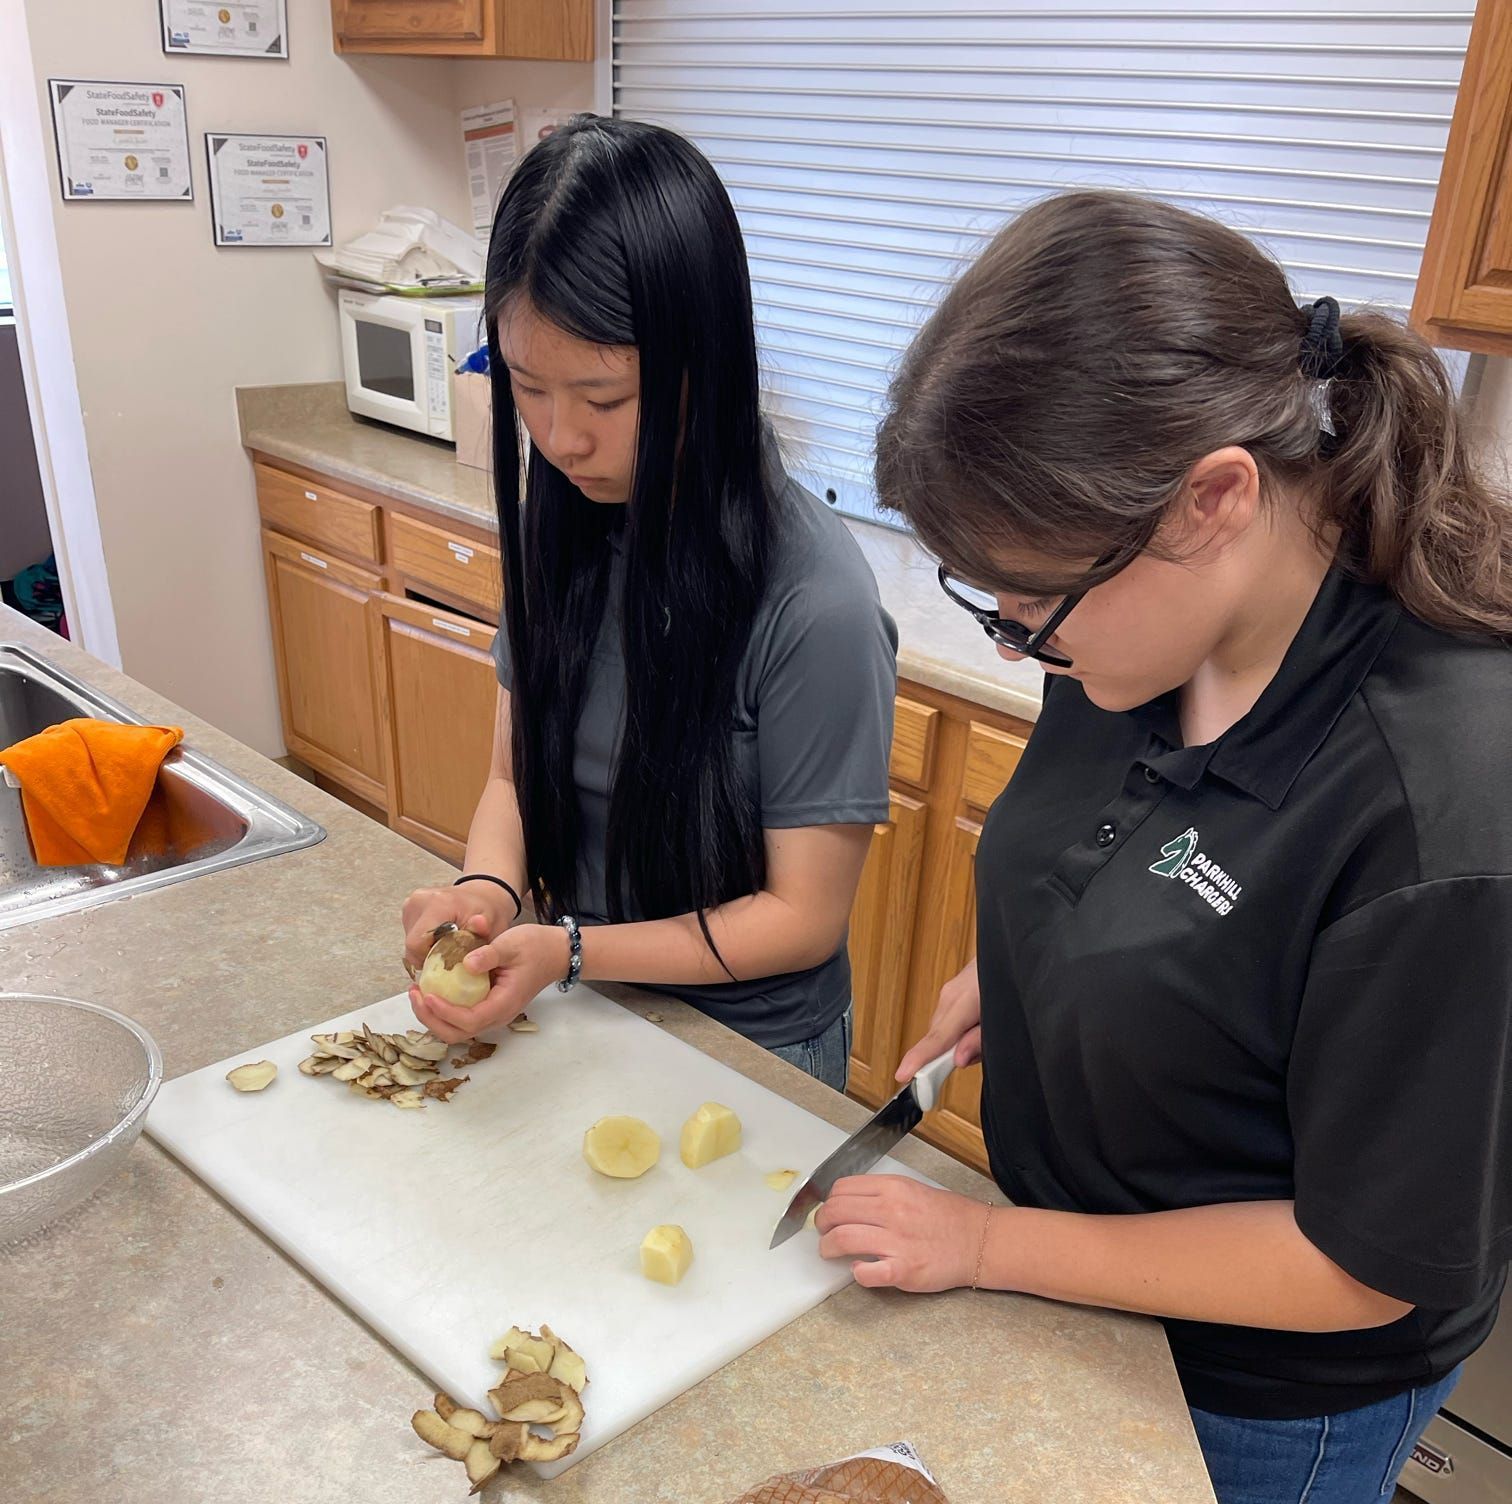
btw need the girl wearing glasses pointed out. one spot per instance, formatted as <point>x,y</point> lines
<point>696,674</point>
<point>1243,991</point>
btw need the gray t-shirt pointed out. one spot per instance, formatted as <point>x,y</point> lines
<point>813,725</point>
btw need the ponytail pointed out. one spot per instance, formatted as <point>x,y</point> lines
<point>1401,486</point>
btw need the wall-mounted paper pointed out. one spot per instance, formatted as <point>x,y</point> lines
<point>121,141</point>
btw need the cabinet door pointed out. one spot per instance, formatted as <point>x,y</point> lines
<point>881,942</point>
<point>322,646</point>
<point>424,23</point>
<point>956,1124</point>
<point>979,760</point>
<point>1464,290</point>
<point>439,697</point>
<point>555,30</point>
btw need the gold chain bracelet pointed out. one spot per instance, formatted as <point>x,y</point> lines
<point>976,1279</point>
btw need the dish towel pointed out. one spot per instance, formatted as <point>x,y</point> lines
<point>84,787</point>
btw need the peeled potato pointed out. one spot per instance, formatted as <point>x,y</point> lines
<point>623,1148</point>
<point>444,976</point>
<point>711,1133</point>
<point>665,1254</point>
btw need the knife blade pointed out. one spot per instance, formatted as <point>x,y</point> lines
<point>887,1128</point>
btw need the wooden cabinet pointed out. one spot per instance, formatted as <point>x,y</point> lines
<point>386,690</point>
<point>1464,290</point>
<point>438,695</point>
<point>914,924</point>
<point>556,30</point>
<point>881,944</point>
<point>323,650</point>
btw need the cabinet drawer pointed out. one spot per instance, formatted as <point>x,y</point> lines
<point>456,566</point>
<point>912,758</point>
<point>991,757</point>
<point>310,510</point>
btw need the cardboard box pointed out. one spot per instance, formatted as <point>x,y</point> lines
<point>472,420</point>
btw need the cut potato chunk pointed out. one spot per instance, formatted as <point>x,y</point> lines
<point>665,1254</point>
<point>780,1180</point>
<point>711,1133</point>
<point>622,1148</point>
<point>252,1077</point>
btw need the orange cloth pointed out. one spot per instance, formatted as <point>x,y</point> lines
<point>84,786</point>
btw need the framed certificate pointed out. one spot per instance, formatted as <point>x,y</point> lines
<point>269,190</point>
<point>226,28</point>
<point>121,141</point>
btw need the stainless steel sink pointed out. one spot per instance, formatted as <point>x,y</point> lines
<point>214,819</point>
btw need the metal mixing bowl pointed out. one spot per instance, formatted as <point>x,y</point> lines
<point>78,1082</point>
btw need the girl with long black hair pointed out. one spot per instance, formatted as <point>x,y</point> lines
<point>696,673</point>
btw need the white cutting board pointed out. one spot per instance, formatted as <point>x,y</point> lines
<point>442,1228</point>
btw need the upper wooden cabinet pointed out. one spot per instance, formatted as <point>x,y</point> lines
<point>556,30</point>
<point>1464,291</point>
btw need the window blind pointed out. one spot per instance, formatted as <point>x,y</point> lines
<point>872,146</point>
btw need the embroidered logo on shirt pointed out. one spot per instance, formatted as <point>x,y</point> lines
<point>1182,862</point>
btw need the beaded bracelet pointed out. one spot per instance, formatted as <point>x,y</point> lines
<point>575,965</point>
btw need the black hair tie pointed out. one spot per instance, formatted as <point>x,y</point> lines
<point>1322,351</point>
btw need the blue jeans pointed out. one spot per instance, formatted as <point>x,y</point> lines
<point>1352,1458</point>
<point>826,1057</point>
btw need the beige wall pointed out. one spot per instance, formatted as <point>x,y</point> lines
<point>164,325</point>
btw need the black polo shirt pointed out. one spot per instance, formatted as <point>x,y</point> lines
<point>1277,967</point>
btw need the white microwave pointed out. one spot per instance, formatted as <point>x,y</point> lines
<point>399,355</point>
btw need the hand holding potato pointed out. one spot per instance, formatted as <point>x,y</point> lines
<point>521,961</point>
<point>427,908</point>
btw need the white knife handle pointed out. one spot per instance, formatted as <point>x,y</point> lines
<point>930,1080</point>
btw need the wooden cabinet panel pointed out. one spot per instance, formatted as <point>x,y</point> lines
<point>307,509</point>
<point>454,566</point>
<point>881,939</point>
<point>912,759</point>
<point>991,757</point>
<point>438,696</point>
<point>1464,289</point>
<point>956,1125</point>
<point>418,21</point>
<point>322,646</point>
<point>560,30</point>
<point>548,29</point>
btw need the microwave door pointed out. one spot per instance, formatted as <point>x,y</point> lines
<point>385,370</point>
<point>385,361</point>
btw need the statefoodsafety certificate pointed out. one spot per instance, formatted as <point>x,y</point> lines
<point>226,28</point>
<point>121,141</point>
<point>269,190</point>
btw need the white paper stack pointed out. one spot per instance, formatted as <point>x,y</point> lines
<point>408,246</point>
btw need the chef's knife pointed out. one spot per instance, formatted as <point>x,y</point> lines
<point>869,1144</point>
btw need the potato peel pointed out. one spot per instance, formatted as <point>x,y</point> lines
<point>441,1435</point>
<point>403,1069</point>
<point>253,1077</point>
<point>481,1465</point>
<point>531,1404</point>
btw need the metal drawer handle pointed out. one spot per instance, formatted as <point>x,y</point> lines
<point>447,626</point>
<point>311,559</point>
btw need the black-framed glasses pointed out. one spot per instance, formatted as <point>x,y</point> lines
<point>1003,630</point>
